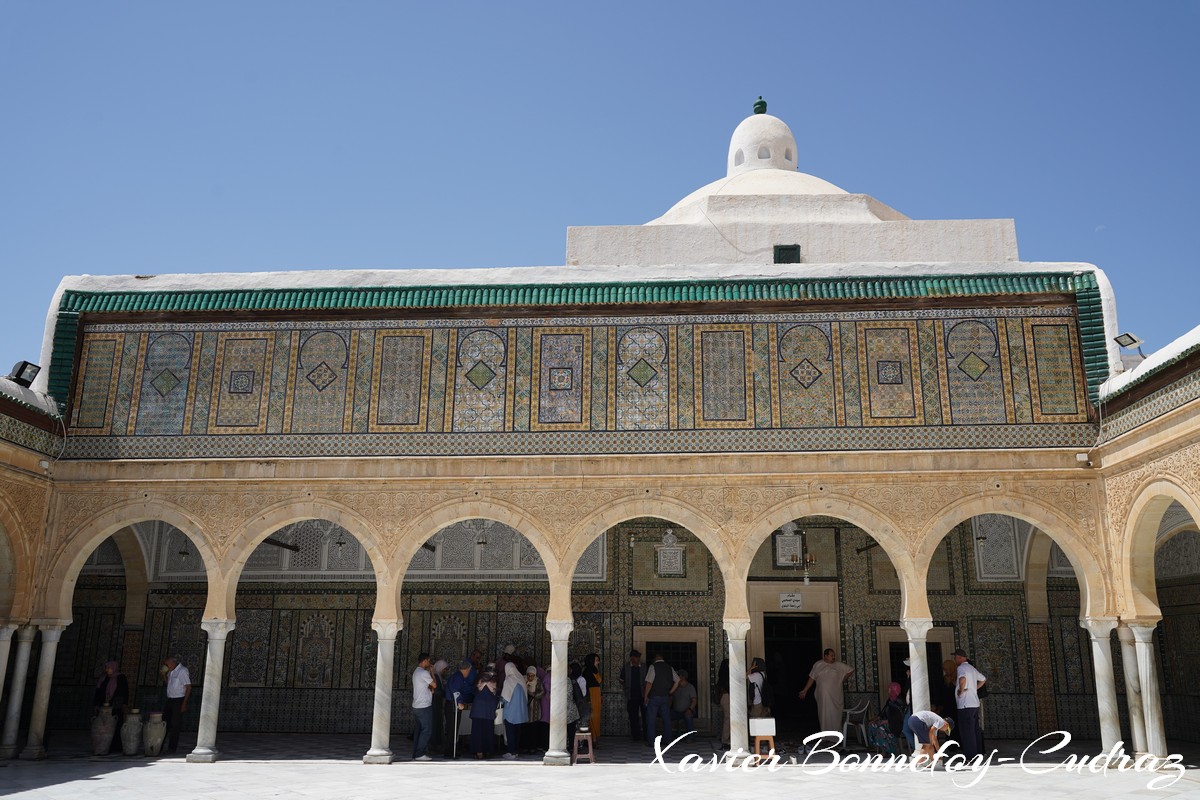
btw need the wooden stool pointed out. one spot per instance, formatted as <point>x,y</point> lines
<point>577,755</point>
<point>763,731</point>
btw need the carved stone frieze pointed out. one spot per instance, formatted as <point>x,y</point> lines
<point>391,512</point>
<point>1182,466</point>
<point>223,514</point>
<point>560,510</point>
<point>28,502</point>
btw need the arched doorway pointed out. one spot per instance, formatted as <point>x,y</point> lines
<point>302,656</point>
<point>477,590</point>
<point>648,583</point>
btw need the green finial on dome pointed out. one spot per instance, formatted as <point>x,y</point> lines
<point>760,106</point>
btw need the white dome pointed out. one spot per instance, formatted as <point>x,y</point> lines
<point>761,142</point>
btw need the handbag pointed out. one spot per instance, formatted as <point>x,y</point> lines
<point>499,713</point>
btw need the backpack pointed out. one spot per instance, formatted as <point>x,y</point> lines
<point>766,693</point>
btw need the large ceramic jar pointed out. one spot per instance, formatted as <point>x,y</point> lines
<point>104,725</point>
<point>155,732</point>
<point>131,733</point>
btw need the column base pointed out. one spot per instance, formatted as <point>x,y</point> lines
<point>8,751</point>
<point>556,758</point>
<point>203,755</point>
<point>33,752</point>
<point>375,756</point>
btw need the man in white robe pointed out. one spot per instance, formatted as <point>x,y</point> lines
<point>830,676</point>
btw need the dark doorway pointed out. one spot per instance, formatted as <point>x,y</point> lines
<point>793,645</point>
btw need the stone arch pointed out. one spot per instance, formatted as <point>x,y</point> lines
<point>420,529</point>
<point>1037,570</point>
<point>275,517</point>
<point>137,576</point>
<point>65,565</point>
<point>1094,580</point>
<point>1139,541</point>
<point>602,519</point>
<point>16,568</point>
<point>875,525</point>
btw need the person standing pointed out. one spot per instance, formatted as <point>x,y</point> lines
<point>179,688</point>
<point>112,690</point>
<point>483,714</point>
<point>723,693</point>
<point>516,709</point>
<point>829,675</point>
<point>966,696</point>
<point>591,676</point>
<point>424,684</point>
<point>460,693</point>
<point>755,681</point>
<point>661,682</point>
<point>632,677</point>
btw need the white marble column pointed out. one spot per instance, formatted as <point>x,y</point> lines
<point>1100,631</point>
<point>385,672</point>
<point>218,631</point>
<point>917,629</point>
<point>12,719</point>
<point>1156,734</point>
<point>1133,688</point>
<point>35,745</point>
<point>560,693</point>
<point>6,632</point>
<point>739,713</point>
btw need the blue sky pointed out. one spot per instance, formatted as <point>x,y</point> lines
<point>247,136</point>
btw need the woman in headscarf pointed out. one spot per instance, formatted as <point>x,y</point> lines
<point>593,681</point>
<point>483,712</point>
<point>885,730</point>
<point>516,709</point>
<point>533,691</point>
<point>112,689</point>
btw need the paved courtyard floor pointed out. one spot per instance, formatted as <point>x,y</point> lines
<point>330,768</point>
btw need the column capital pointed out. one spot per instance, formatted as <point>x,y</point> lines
<point>218,628</point>
<point>25,633</point>
<point>7,629</point>
<point>736,629</point>
<point>1099,627</point>
<point>1125,633</point>
<point>387,629</point>
<point>916,627</point>
<point>559,629</point>
<point>52,629</point>
<point>1143,631</point>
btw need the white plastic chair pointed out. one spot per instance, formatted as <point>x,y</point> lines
<point>855,719</point>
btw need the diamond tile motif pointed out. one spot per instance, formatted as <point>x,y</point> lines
<point>164,382</point>
<point>806,373</point>
<point>241,382</point>
<point>889,372</point>
<point>480,375</point>
<point>321,376</point>
<point>561,379</point>
<point>973,366</point>
<point>641,373</point>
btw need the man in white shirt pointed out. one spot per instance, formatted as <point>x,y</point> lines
<point>179,688</point>
<point>966,697</point>
<point>423,685</point>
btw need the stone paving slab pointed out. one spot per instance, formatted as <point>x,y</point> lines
<point>319,769</point>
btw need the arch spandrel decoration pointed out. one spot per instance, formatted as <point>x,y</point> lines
<point>1137,502</point>
<point>1066,513</point>
<point>72,547</point>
